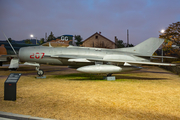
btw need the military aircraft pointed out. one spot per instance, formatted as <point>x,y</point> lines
<point>90,60</point>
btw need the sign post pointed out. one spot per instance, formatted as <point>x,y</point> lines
<point>10,86</point>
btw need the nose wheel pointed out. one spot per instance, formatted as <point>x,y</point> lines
<point>39,71</point>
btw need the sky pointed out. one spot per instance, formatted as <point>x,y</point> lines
<point>143,18</point>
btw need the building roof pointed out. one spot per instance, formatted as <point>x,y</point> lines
<point>99,35</point>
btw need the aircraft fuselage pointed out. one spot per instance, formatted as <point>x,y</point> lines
<point>39,55</point>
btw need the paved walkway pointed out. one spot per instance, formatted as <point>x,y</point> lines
<point>11,116</point>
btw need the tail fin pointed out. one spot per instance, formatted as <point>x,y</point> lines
<point>146,48</point>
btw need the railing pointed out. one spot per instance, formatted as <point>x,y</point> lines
<point>174,69</point>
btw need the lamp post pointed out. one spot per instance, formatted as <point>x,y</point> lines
<point>36,40</point>
<point>162,31</point>
<point>32,36</point>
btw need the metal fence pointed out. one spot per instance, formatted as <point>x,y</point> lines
<point>174,69</point>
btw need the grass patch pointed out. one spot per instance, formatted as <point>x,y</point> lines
<point>80,76</point>
<point>146,94</point>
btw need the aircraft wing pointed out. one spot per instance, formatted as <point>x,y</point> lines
<point>87,58</point>
<point>164,57</point>
<point>154,56</point>
<point>143,63</point>
<point>77,58</point>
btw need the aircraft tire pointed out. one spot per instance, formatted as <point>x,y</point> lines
<point>40,72</point>
<point>109,74</point>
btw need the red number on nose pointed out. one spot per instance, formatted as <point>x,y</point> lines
<point>42,55</point>
<point>32,56</point>
<point>37,56</point>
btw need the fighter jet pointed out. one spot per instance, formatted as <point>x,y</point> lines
<point>90,60</point>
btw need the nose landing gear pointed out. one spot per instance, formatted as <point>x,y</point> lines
<point>39,72</point>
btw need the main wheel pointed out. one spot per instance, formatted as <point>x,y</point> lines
<point>40,72</point>
<point>109,74</point>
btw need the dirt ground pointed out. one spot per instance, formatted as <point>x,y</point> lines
<point>150,93</point>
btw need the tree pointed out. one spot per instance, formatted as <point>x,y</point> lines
<point>28,41</point>
<point>51,37</point>
<point>41,41</point>
<point>172,37</point>
<point>131,45</point>
<point>172,33</point>
<point>120,44</point>
<point>78,39</point>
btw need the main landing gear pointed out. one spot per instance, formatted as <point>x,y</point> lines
<point>110,74</point>
<point>109,77</point>
<point>39,71</point>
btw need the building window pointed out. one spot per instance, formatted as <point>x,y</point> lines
<point>96,37</point>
